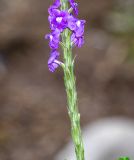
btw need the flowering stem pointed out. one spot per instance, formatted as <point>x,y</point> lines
<point>70,85</point>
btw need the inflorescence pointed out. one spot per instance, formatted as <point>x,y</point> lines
<point>59,21</point>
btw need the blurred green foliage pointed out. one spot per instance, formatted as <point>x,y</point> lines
<point>120,23</point>
<point>124,158</point>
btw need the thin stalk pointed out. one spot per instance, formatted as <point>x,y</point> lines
<point>70,85</point>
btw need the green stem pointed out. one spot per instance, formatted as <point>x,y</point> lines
<point>70,85</point>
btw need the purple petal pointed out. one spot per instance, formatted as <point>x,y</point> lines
<point>57,3</point>
<point>74,6</point>
<point>80,28</point>
<point>54,39</point>
<point>78,41</point>
<point>52,65</point>
<point>72,23</point>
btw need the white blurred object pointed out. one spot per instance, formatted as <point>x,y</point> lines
<point>106,139</point>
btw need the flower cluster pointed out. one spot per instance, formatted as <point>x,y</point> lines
<point>60,20</point>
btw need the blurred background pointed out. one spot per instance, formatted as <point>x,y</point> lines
<point>34,124</point>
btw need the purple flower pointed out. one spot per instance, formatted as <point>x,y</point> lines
<point>80,28</point>
<point>53,62</point>
<point>77,41</point>
<point>58,19</point>
<point>76,25</point>
<point>56,4</point>
<point>74,6</point>
<point>72,23</point>
<point>54,38</point>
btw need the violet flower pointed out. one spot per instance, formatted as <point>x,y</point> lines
<point>72,22</point>
<point>53,62</point>
<point>54,38</point>
<point>77,37</point>
<point>77,41</point>
<point>58,19</point>
<point>56,4</point>
<point>80,28</point>
<point>74,6</point>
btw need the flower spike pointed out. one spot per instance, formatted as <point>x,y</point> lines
<point>60,20</point>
